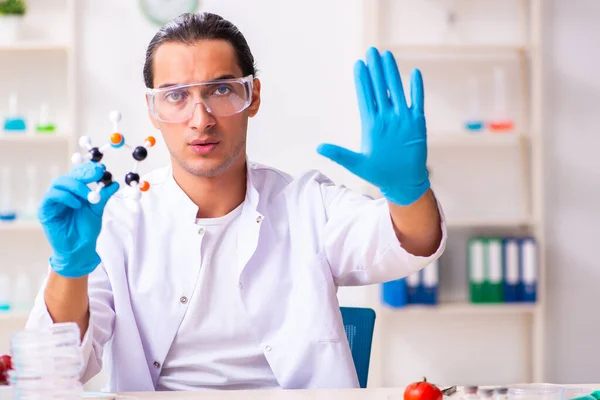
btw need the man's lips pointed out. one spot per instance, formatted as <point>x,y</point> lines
<point>203,142</point>
<point>204,146</point>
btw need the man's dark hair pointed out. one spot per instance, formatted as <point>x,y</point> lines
<point>189,29</point>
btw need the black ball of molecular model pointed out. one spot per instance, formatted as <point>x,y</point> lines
<point>117,140</point>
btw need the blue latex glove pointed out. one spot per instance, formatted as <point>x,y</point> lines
<point>71,223</point>
<point>393,154</point>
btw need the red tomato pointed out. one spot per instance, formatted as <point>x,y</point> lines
<point>5,362</point>
<point>5,365</point>
<point>422,391</point>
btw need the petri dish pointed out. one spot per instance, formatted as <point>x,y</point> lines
<point>536,391</point>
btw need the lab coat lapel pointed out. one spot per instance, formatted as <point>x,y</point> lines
<point>250,223</point>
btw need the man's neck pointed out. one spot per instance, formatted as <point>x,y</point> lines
<point>215,196</point>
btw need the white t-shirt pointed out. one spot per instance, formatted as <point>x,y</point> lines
<point>214,346</point>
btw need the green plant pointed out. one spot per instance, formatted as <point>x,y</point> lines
<point>13,7</point>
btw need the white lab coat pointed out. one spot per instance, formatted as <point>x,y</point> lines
<point>299,240</point>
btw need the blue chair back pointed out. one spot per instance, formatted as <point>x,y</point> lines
<point>359,324</point>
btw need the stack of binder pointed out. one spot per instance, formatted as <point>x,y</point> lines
<point>420,287</point>
<point>502,269</point>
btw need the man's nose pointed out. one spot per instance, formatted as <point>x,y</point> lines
<point>201,119</point>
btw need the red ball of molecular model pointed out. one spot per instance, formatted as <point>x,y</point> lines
<point>117,140</point>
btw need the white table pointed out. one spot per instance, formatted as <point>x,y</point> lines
<point>343,394</point>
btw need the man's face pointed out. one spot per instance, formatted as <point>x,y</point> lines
<point>176,63</point>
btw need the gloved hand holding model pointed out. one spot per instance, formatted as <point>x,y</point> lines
<point>394,136</point>
<point>71,223</point>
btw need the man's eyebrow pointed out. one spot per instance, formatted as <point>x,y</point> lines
<point>225,76</point>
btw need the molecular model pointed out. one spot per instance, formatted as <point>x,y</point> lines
<point>117,140</point>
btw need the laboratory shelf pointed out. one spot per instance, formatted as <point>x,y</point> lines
<point>464,308</point>
<point>478,50</point>
<point>35,139</point>
<point>13,315</point>
<point>489,222</point>
<point>33,46</point>
<point>20,226</point>
<point>484,139</point>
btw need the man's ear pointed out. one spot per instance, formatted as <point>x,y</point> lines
<point>255,105</point>
<point>154,120</point>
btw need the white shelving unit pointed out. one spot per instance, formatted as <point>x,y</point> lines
<point>20,226</point>
<point>41,68</point>
<point>14,316</point>
<point>525,143</point>
<point>460,308</point>
<point>35,46</point>
<point>451,139</point>
<point>33,140</point>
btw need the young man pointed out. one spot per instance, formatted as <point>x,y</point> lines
<point>226,276</point>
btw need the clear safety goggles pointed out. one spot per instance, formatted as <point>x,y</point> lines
<point>220,98</point>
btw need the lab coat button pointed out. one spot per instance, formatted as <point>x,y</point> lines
<point>183,299</point>
<point>258,219</point>
<point>201,231</point>
<point>156,364</point>
<point>267,348</point>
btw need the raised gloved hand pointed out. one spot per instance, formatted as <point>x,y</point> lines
<point>393,153</point>
<point>71,223</point>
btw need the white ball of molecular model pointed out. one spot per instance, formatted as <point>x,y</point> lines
<point>117,140</point>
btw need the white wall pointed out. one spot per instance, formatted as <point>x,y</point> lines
<point>573,165</point>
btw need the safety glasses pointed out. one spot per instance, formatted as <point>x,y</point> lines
<point>220,98</point>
